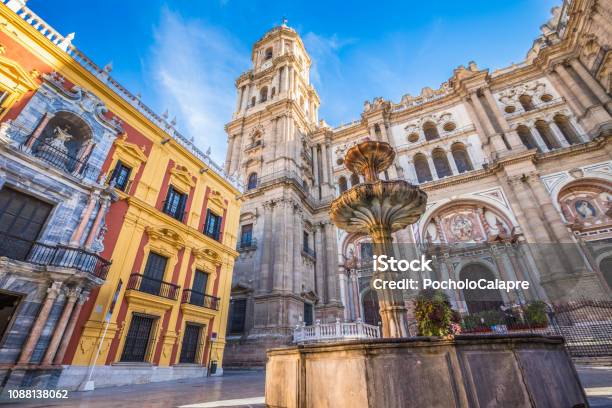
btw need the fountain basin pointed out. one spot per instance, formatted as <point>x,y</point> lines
<point>394,204</point>
<point>467,371</point>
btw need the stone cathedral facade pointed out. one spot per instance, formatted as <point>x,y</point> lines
<point>512,160</point>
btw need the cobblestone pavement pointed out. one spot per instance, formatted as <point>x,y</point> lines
<point>246,389</point>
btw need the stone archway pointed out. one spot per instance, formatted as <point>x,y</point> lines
<point>371,313</point>
<point>480,300</point>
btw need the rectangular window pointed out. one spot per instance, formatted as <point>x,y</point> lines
<point>246,235</point>
<point>237,315</point>
<point>153,274</point>
<point>212,226</point>
<point>121,176</point>
<point>190,351</point>
<point>22,217</point>
<point>305,241</point>
<point>8,305</point>
<point>308,314</point>
<point>175,204</point>
<point>139,341</point>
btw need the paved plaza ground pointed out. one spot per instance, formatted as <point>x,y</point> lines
<point>246,389</point>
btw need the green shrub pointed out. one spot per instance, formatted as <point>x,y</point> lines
<point>433,313</point>
<point>535,313</point>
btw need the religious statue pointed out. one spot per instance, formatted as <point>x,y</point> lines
<point>585,209</point>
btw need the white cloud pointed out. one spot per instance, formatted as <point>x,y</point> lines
<point>193,66</point>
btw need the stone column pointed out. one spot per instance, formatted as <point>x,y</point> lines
<point>583,98</point>
<point>319,263</point>
<point>28,349</point>
<point>95,228</point>
<point>345,296</point>
<point>315,164</point>
<point>558,134</point>
<point>482,133</point>
<point>511,135</point>
<point>356,295</point>
<point>78,233</point>
<point>332,263</point>
<point>324,162</point>
<point>76,312</point>
<point>551,215</point>
<point>518,271</point>
<point>71,297</point>
<point>265,284</point>
<point>565,92</point>
<point>432,167</point>
<point>230,150</point>
<point>39,129</point>
<point>451,162</point>
<point>298,233</point>
<point>538,139</point>
<point>588,79</point>
<point>494,138</point>
<point>280,246</point>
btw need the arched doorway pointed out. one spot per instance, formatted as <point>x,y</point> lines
<point>371,314</point>
<point>480,300</point>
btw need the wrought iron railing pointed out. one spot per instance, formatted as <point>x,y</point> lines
<point>62,256</point>
<point>62,160</point>
<point>196,298</point>
<point>153,286</point>
<point>246,244</point>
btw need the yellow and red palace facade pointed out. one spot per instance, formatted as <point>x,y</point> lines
<point>125,262</point>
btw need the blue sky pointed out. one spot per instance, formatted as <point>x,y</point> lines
<point>183,55</point>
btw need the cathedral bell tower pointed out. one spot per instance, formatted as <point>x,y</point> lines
<point>287,271</point>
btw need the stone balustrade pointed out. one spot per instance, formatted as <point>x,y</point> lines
<point>320,332</point>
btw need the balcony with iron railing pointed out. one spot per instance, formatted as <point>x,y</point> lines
<point>61,256</point>
<point>152,286</point>
<point>246,244</point>
<point>196,298</point>
<point>61,159</point>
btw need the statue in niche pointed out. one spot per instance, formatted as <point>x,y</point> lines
<point>585,209</point>
<point>54,148</point>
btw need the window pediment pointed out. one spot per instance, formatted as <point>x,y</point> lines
<point>207,254</point>
<point>181,178</point>
<point>15,77</point>
<point>165,235</point>
<point>130,153</point>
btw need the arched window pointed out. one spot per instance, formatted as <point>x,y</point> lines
<point>547,135</point>
<point>252,182</point>
<point>66,142</point>
<point>566,129</point>
<point>263,94</point>
<point>253,101</point>
<point>526,102</point>
<point>440,161</point>
<point>422,168</point>
<point>272,92</point>
<point>268,53</point>
<point>430,131</point>
<point>342,184</point>
<point>354,180</point>
<point>462,159</point>
<point>526,137</point>
<point>480,300</point>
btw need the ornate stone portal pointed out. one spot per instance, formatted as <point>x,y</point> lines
<point>379,208</point>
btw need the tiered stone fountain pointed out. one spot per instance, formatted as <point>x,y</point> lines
<point>379,208</point>
<point>398,371</point>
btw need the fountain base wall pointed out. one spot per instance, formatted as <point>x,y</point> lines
<point>468,371</point>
